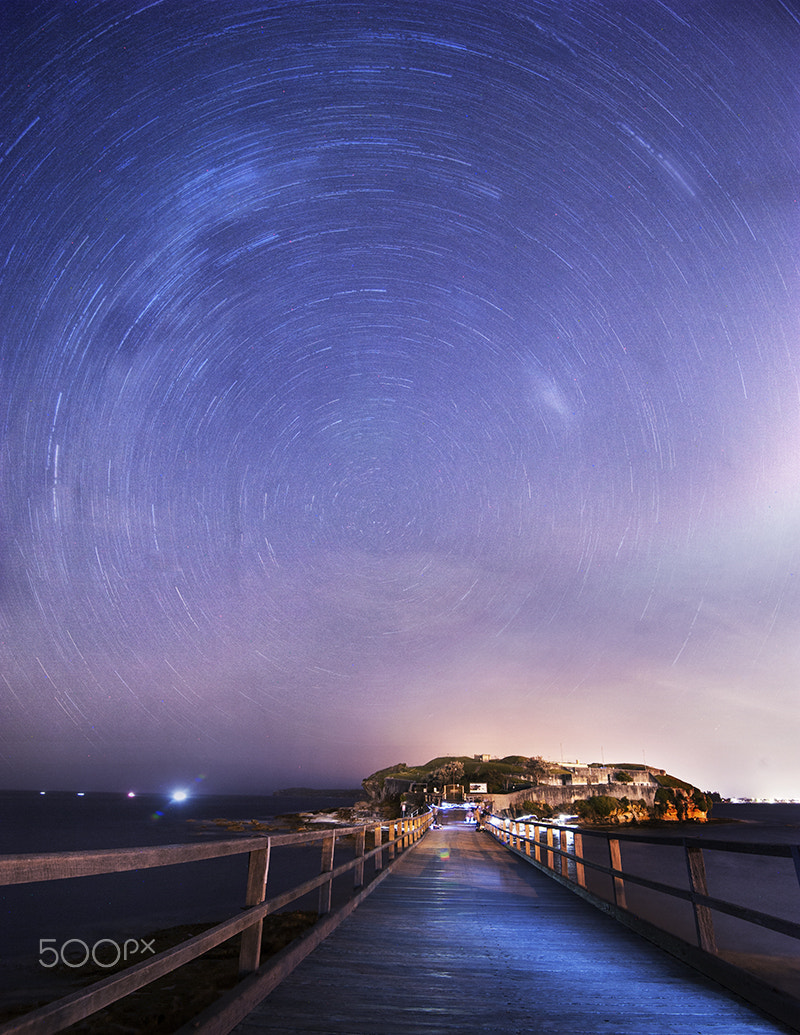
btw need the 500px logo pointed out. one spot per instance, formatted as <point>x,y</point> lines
<point>105,952</point>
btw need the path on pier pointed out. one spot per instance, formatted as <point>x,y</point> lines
<point>465,937</point>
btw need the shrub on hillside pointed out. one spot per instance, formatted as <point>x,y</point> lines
<point>599,808</point>
<point>534,808</point>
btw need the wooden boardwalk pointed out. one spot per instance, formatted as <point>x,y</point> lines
<point>465,937</point>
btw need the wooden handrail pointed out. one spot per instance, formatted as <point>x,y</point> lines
<point>535,842</point>
<point>508,832</point>
<point>27,868</point>
<point>23,869</point>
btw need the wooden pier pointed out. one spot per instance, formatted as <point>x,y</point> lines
<point>525,926</point>
<point>464,936</point>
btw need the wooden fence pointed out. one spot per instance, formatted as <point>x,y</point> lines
<point>561,852</point>
<point>258,980</point>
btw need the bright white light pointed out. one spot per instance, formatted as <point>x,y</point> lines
<point>179,796</point>
<point>131,794</point>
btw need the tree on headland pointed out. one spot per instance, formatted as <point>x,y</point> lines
<point>536,768</point>
<point>450,772</point>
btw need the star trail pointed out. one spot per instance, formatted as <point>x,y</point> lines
<point>388,379</point>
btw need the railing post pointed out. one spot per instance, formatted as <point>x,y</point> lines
<point>795,850</point>
<point>325,889</point>
<point>537,844</point>
<point>392,836</point>
<point>550,858</point>
<point>378,835</point>
<point>616,864</point>
<point>528,839</point>
<point>577,847</point>
<point>257,870</point>
<point>361,837</point>
<point>564,859</point>
<point>703,921</point>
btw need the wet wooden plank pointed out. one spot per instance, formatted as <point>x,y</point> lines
<point>465,937</point>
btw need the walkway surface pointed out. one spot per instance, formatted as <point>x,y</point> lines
<point>465,937</point>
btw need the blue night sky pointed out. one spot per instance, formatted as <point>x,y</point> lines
<point>388,379</point>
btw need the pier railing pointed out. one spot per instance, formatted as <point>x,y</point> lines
<point>610,869</point>
<point>258,980</point>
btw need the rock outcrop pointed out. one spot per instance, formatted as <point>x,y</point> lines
<point>679,804</point>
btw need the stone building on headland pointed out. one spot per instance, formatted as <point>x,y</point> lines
<point>572,781</point>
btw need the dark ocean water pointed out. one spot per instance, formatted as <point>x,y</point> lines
<point>129,905</point>
<point>61,821</point>
<point>782,818</point>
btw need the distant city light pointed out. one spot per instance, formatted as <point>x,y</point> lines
<point>179,796</point>
<point>42,792</point>
<point>80,794</point>
<point>131,794</point>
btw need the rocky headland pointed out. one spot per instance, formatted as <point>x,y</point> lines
<point>516,785</point>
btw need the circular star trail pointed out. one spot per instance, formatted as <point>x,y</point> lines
<point>396,378</point>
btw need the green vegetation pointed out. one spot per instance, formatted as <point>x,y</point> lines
<point>601,807</point>
<point>535,808</point>
<point>606,808</point>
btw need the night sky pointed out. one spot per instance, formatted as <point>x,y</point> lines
<point>391,379</point>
